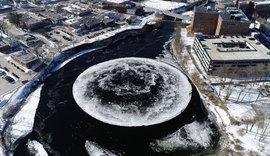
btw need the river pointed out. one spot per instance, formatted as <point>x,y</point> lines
<point>62,127</point>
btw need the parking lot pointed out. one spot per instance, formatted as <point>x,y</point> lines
<point>11,77</point>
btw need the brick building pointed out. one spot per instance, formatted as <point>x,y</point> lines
<point>211,22</point>
<point>249,7</point>
<point>262,8</point>
<point>232,21</point>
<point>205,20</point>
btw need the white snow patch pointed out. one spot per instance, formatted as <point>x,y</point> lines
<point>162,5</point>
<point>24,120</point>
<point>117,1</point>
<point>94,149</point>
<point>35,148</point>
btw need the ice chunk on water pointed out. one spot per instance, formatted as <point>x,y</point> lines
<point>192,136</point>
<point>94,149</point>
<point>132,92</point>
<point>35,148</point>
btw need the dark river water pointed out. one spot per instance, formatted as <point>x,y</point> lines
<point>62,127</point>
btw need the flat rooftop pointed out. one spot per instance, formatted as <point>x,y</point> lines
<point>232,48</point>
<point>24,57</point>
<point>205,10</point>
<point>234,14</point>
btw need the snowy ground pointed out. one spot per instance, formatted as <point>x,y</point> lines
<point>241,104</point>
<point>190,14</point>
<point>116,1</point>
<point>23,121</point>
<point>162,5</point>
<point>4,98</point>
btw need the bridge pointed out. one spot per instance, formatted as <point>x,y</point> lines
<point>179,16</point>
<point>175,15</point>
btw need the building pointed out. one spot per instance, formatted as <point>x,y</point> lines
<point>55,18</point>
<point>205,20</point>
<point>73,23</point>
<point>91,23</point>
<point>4,46</point>
<point>77,10</point>
<point>232,55</point>
<point>262,8</point>
<point>34,22</point>
<point>31,41</point>
<point>232,21</point>
<point>123,7</point>
<point>7,45</point>
<point>224,4</point>
<point>212,22</point>
<point>97,23</point>
<point>24,59</point>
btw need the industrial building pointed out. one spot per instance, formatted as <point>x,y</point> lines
<point>232,55</point>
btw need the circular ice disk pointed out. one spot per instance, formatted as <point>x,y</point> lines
<point>132,92</point>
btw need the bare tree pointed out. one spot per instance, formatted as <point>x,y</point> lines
<point>244,86</point>
<point>229,91</point>
<point>246,93</point>
<point>249,118</point>
<point>260,118</point>
<point>259,94</point>
<point>264,132</point>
